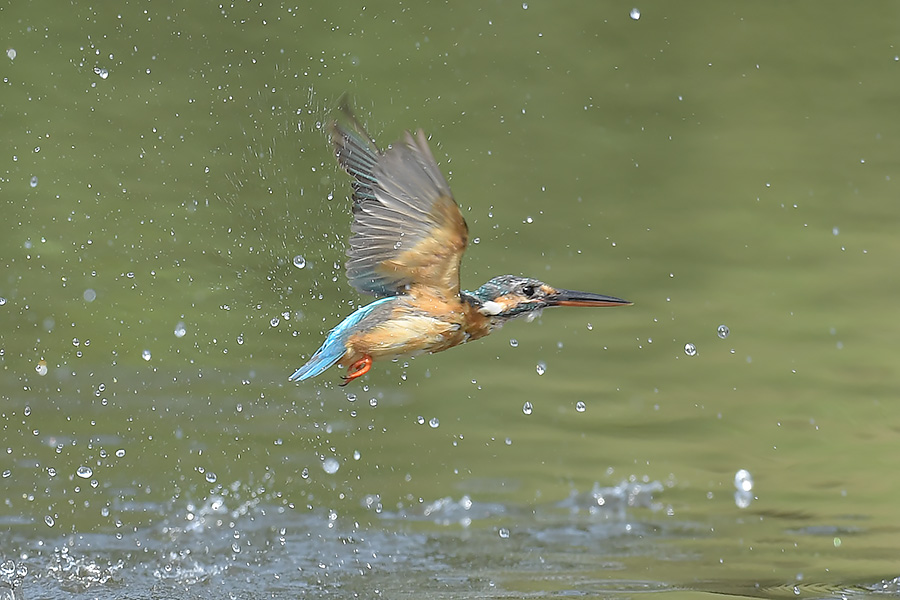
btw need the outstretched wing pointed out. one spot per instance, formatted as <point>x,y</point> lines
<point>407,229</point>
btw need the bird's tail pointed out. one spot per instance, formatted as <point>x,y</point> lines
<point>326,356</point>
<point>335,345</point>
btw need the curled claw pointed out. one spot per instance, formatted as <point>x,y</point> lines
<point>357,369</point>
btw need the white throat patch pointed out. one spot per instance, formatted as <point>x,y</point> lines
<point>491,308</point>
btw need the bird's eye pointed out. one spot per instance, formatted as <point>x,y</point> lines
<point>528,290</point>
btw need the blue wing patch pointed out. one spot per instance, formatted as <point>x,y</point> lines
<point>335,345</point>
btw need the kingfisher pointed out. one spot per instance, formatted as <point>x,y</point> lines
<point>408,238</point>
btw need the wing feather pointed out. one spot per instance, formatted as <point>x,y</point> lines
<point>407,228</point>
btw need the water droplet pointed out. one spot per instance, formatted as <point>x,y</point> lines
<point>356,455</point>
<point>41,367</point>
<point>49,521</point>
<point>240,339</point>
<point>527,408</point>
<point>722,331</point>
<point>504,532</point>
<point>541,368</point>
<point>120,452</point>
<point>146,355</point>
<point>103,73</point>
<point>84,472</point>
<point>34,181</point>
<point>420,420</point>
<point>274,322</point>
<point>304,473</point>
<point>434,423</point>
<point>351,397</point>
<point>11,53</point>
<point>211,477</point>
<point>635,14</point>
<point>331,465</point>
<point>180,329</point>
<point>690,349</point>
<point>7,568</point>
<point>373,402</point>
<point>579,406</point>
<point>743,480</point>
<point>514,343</point>
<point>299,261</point>
<point>2,301</point>
<point>90,295</point>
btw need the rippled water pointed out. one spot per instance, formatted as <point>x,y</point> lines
<point>173,247</point>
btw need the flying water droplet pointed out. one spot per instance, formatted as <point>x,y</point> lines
<point>722,331</point>
<point>541,368</point>
<point>514,343</point>
<point>503,532</point>
<point>690,349</point>
<point>90,295</point>
<point>11,53</point>
<point>331,465</point>
<point>527,408</point>
<point>180,329</point>
<point>743,480</point>
<point>84,472</point>
<point>49,521</point>
<point>299,261</point>
<point>34,181</point>
<point>635,13</point>
<point>434,423</point>
<point>579,406</point>
<point>211,477</point>
<point>146,355</point>
<point>41,367</point>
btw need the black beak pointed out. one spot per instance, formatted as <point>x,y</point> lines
<point>573,298</point>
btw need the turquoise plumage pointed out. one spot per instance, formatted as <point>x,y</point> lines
<point>335,345</point>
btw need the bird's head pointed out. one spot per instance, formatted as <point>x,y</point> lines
<point>509,296</point>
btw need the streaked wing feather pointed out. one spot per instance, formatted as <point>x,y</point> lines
<point>407,229</point>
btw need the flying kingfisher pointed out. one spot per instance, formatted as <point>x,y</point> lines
<point>408,239</point>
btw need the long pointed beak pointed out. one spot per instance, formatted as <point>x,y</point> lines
<point>573,298</point>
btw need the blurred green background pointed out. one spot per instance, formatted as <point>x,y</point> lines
<point>717,163</point>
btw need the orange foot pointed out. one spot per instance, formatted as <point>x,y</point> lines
<point>357,369</point>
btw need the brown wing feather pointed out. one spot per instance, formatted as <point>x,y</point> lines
<point>407,229</point>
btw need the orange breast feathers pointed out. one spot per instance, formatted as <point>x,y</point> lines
<point>421,321</point>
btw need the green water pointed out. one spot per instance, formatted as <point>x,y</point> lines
<point>716,163</point>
